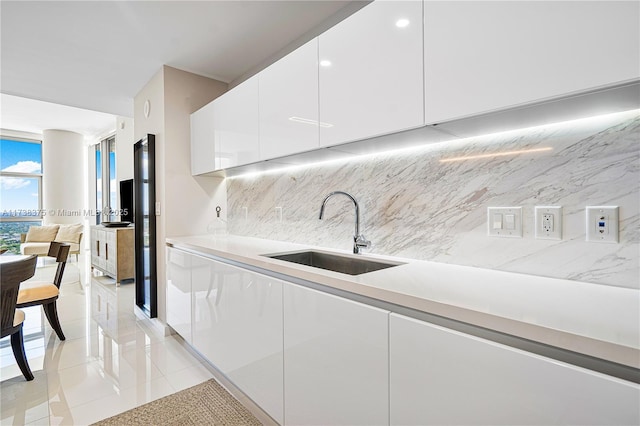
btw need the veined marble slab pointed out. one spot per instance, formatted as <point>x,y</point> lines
<point>414,205</point>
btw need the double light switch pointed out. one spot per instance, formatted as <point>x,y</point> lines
<point>505,221</point>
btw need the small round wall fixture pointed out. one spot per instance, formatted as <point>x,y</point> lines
<point>147,108</point>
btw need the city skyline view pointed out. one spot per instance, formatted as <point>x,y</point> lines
<point>19,192</point>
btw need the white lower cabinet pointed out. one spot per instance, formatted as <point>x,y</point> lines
<point>439,376</point>
<point>335,360</point>
<point>179,292</point>
<point>237,326</point>
<point>307,357</point>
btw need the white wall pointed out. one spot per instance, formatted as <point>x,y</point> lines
<point>191,201</point>
<point>124,148</point>
<point>173,96</point>
<point>64,180</point>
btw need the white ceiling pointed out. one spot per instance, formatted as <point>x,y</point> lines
<point>28,115</point>
<point>97,55</point>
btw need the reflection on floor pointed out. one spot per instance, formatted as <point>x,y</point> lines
<point>110,362</point>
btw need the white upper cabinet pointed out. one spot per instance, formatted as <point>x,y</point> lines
<point>371,73</point>
<point>485,56</point>
<point>289,104</point>
<point>235,122</point>
<point>202,141</point>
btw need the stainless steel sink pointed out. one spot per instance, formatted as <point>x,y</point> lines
<point>334,262</point>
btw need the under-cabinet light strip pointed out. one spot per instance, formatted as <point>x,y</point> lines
<point>495,154</point>
<point>439,145</point>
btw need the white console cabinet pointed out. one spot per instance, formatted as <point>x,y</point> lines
<point>112,251</point>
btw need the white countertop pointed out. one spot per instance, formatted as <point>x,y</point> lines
<point>597,320</point>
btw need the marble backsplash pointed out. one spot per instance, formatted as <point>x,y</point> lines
<point>415,205</point>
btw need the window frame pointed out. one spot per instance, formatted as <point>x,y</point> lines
<point>105,146</point>
<point>37,176</point>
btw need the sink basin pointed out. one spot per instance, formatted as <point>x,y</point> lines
<point>334,262</point>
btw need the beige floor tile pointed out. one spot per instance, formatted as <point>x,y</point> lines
<point>187,377</point>
<point>104,367</point>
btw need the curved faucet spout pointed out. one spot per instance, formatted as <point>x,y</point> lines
<point>355,203</point>
<point>359,241</point>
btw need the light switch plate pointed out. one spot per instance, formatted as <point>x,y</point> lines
<point>504,222</point>
<point>602,224</point>
<point>548,222</point>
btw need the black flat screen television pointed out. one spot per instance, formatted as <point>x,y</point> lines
<point>126,200</point>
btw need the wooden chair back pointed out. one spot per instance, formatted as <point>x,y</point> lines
<point>61,252</point>
<point>11,275</point>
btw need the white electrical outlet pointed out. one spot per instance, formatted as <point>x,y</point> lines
<point>548,222</point>
<point>504,222</point>
<point>602,224</point>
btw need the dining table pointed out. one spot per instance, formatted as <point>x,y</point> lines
<point>8,258</point>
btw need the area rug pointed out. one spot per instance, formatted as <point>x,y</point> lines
<point>205,404</point>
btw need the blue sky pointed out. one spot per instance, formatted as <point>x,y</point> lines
<point>23,157</point>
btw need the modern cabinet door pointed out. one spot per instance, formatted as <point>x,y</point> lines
<point>440,376</point>
<point>335,360</point>
<point>238,327</point>
<point>179,292</point>
<point>97,248</point>
<point>371,73</point>
<point>203,159</point>
<point>289,104</point>
<point>484,56</point>
<point>235,121</point>
<point>111,254</point>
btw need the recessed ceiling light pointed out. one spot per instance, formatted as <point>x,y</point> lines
<point>325,63</point>
<point>401,23</point>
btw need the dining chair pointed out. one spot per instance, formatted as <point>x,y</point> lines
<point>12,319</point>
<point>46,293</point>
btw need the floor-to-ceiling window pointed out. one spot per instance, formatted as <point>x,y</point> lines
<point>105,164</point>
<point>20,189</point>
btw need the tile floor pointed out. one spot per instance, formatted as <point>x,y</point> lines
<point>109,363</point>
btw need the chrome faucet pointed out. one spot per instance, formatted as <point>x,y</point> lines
<point>359,241</point>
